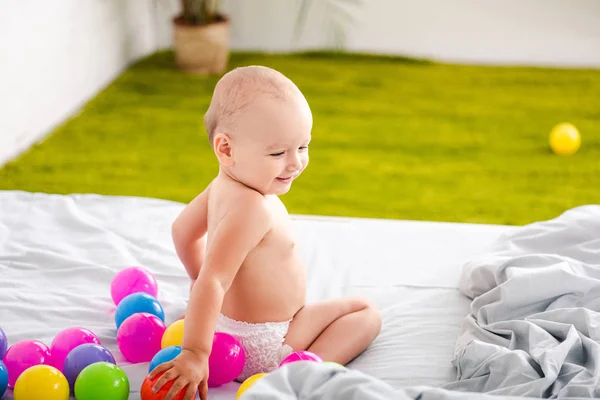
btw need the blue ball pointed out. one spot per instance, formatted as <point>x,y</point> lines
<point>3,378</point>
<point>139,302</point>
<point>163,356</point>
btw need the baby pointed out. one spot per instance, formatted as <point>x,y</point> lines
<point>247,279</point>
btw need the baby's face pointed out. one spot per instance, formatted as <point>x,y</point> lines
<point>270,148</point>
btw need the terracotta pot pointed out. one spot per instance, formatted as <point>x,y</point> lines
<point>201,49</point>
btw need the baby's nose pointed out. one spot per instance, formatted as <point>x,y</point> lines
<point>294,164</point>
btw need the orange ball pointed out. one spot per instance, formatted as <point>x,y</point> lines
<point>147,393</point>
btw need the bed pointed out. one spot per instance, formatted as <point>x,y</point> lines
<point>58,254</point>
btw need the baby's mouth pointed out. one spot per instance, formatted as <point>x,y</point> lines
<point>288,179</point>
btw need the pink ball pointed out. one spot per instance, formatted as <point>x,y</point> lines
<point>139,337</point>
<point>226,359</point>
<point>67,340</point>
<point>23,355</point>
<point>301,356</point>
<point>132,280</point>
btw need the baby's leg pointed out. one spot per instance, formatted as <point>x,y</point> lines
<point>337,330</point>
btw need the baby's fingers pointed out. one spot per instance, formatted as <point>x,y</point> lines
<point>166,377</point>
<point>190,393</point>
<point>178,385</point>
<point>203,389</point>
<point>160,368</point>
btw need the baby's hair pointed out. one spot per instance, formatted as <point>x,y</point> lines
<point>236,90</point>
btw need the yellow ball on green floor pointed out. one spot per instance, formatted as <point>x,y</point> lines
<point>41,382</point>
<point>247,383</point>
<point>173,335</point>
<point>565,139</point>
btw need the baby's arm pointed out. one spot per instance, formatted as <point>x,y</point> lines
<point>240,231</point>
<point>189,234</point>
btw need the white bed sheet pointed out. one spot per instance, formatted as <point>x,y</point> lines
<point>58,255</point>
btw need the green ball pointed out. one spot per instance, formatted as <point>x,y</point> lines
<point>102,381</point>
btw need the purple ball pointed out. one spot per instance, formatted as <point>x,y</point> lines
<point>3,344</point>
<point>82,356</point>
<point>226,359</point>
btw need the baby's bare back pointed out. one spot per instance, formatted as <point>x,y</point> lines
<point>270,285</point>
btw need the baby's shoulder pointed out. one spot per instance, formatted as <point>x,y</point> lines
<point>237,198</point>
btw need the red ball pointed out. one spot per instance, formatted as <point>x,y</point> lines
<point>148,394</point>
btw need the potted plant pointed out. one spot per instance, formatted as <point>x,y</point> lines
<point>201,37</point>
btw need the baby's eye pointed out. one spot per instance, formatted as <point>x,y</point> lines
<point>303,147</point>
<point>277,154</point>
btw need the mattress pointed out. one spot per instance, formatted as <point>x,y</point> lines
<point>58,254</point>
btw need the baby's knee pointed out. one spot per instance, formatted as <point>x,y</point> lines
<point>372,316</point>
<point>363,303</point>
<point>374,320</point>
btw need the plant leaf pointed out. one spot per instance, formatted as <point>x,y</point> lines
<point>303,10</point>
<point>339,18</point>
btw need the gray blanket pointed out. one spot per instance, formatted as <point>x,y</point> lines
<point>534,327</point>
<point>311,381</point>
<point>533,331</point>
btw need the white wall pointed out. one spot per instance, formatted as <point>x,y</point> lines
<point>525,32</point>
<point>55,55</point>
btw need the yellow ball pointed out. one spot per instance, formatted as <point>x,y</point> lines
<point>247,383</point>
<point>565,139</point>
<point>173,335</point>
<point>41,382</point>
<point>333,363</point>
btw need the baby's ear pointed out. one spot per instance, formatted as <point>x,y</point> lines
<point>222,146</point>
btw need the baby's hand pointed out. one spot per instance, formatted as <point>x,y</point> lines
<point>189,372</point>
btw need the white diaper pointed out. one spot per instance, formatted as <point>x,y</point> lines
<point>263,344</point>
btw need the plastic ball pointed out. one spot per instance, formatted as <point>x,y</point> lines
<point>163,356</point>
<point>138,303</point>
<point>139,337</point>
<point>22,355</point>
<point>146,392</point>
<point>67,340</point>
<point>102,380</point>
<point>132,280</point>
<point>82,356</point>
<point>226,359</point>
<point>41,382</point>
<point>173,335</point>
<point>301,356</point>
<point>247,383</point>
<point>3,379</point>
<point>565,139</point>
<point>333,364</point>
<point>3,344</point>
